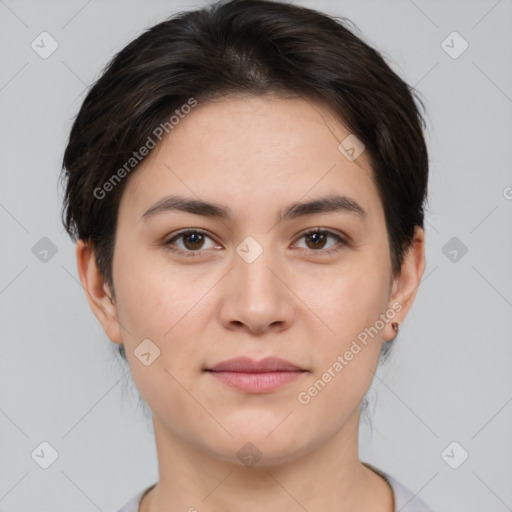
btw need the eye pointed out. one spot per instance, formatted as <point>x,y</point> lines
<point>192,240</point>
<point>316,239</point>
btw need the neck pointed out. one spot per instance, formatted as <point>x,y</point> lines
<point>328,478</point>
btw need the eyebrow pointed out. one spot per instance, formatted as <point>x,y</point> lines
<point>330,204</point>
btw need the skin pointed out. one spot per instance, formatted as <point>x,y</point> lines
<point>254,155</point>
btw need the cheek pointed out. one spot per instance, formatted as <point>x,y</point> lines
<point>151,293</point>
<point>168,306</point>
<point>351,307</point>
<point>347,300</point>
<point>347,355</point>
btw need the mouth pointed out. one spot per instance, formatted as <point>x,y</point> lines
<point>252,376</point>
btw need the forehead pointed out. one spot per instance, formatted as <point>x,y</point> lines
<point>264,150</point>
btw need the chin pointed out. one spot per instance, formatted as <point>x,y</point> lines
<point>255,447</point>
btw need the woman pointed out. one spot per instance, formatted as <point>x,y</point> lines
<point>245,183</point>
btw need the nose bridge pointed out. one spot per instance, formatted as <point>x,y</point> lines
<point>256,266</point>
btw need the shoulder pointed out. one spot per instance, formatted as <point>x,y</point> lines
<point>405,500</point>
<point>134,503</point>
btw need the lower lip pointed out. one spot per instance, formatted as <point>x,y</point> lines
<point>257,382</point>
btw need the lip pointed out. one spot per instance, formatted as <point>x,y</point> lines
<point>253,376</point>
<point>248,365</point>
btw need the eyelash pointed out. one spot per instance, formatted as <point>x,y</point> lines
<point>193,254</point>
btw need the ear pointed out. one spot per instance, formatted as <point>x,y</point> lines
<point>406,284</point>
<point>97,291</point>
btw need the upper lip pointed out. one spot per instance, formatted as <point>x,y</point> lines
<point>248,365</point>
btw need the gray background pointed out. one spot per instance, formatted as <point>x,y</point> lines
<point>449,378</point>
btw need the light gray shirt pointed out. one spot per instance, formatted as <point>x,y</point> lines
<point>405,500</point>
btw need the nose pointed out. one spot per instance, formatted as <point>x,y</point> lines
<point>256,297</point>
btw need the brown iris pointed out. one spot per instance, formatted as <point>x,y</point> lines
<point>196,240</point>
<point>318,238</point>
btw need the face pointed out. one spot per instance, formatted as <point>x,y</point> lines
<point>255,282</point>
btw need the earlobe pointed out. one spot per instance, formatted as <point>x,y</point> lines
<point>98,295</point>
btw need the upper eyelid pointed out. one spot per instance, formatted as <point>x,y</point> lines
<point>186,232</point>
